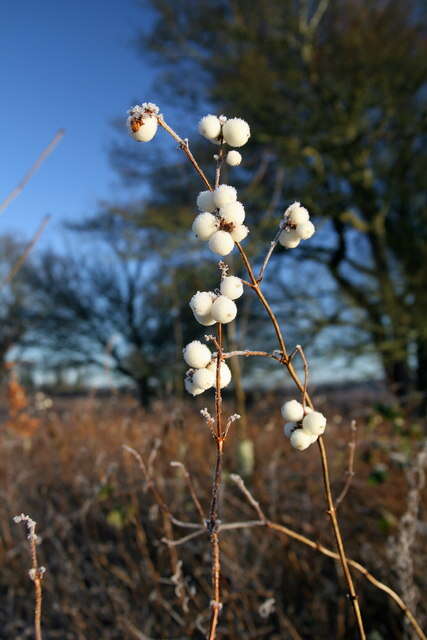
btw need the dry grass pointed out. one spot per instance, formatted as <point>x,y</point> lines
<point>110,576</point>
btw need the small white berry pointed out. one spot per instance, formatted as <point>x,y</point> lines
<point>147,128</point>
<point>210,127</point>
<point>201,302</point>
<point>204,319</point>
<point>239,233</point>
<point>232,287</point>
<point>224,310</point>
<point>236,132</point>
<point>233,212</point>
<point>224,373</point>
<point>296,214</point>
<point>224,194</point>
<point>204,225</point>
<point>221,243</point>
<point>305,230</point>
<point>204,379</point>
<point>191,388</point>
<point>205,201</point>
<point>289,239</point>
<point>234,158</point>
<point>288,428</point>
<point>293,411</point>
<point>314,423</point>
<point>197,355</point>
<point>300,440</point>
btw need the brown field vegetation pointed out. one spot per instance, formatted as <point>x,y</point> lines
<point>110,575</point>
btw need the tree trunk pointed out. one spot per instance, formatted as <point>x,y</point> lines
<point>143,392</point>
<point>421,374</point>
<point>397,376</point>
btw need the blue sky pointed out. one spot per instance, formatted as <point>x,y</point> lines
<point>70,65</point>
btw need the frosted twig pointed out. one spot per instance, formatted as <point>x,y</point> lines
<point>350,469</point>
<point>36,573</point>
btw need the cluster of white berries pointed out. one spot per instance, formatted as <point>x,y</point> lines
<point>298,226</point>
<point>302,427</point>
<point>220,221</point>
<point>203,363</point>
<point>210,307</point>
<point>235,132</point>
<point>142,121</point>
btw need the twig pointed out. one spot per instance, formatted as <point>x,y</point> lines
<point>190,483</point>
<point>36,573</point>
<point>18,264</point>
<point>350,469</point>
<point>272,247</point>
<point>263,521</point>
<point>21,186</point>
<point>323,456</point>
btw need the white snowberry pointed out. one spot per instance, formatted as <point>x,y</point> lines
<point>288,428</point>
<point>296,214</point>
<point>204,319</point>
<point>314,423</point>
<point>205,225</point>
<point>221,243</point>
<point>239,233</point>
<point>289,239</point>
<point>233,158</point>
<point>197,355</point>
<point>300,440</point>
<point>201,302</point>
<point>224,194</point>
<point>210,127</point>
<point>233,212</point>
<point>204,379</point>
<point>293,411</point>
<point>224,373</point>
<point>305,230</point>
<point>224,310</point>
<point>205,201</point>
<point>191,388</point>
<point>144,129</point>
<point>236,132</point>
<point>232,287</point>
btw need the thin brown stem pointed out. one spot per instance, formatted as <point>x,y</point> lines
<point>293,374</point>
<point>192,489</point>
<point>36,572</point>
<point>184,146</point>
<point>21,260</point>
<point>42,157</point>
<point>264,521</point>
<point>212,522</point>
<point>350,469</point>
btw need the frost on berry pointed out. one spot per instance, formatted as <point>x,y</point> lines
<point>224,194</point>
<point>224,373</point>
<point>224,310</point>
<point>239,233</point>
<point>232,287</point>
<point>233,212</point>
<point>305,230</point>
<point>142,121</point>
<point>289,239</point>
<point>205,225</point>
<point>236,132</point>
<point>233,158</point>
<point>300,440</point>
<point>203,379</point>
<point>293,411</point>
<point>210,127</point>
<point>197,355</point>
<point>314,423</point>
<point>205,201</point>
<point>201,302</point>
<point>221,243</point>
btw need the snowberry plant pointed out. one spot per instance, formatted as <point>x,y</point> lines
<point>220,223</point>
